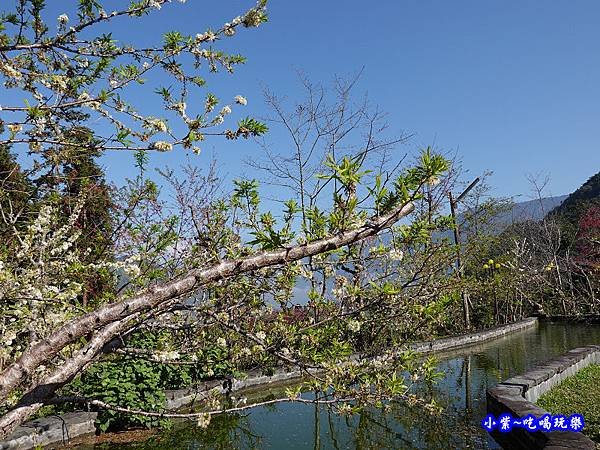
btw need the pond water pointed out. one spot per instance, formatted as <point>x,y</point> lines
<point>468,374</point>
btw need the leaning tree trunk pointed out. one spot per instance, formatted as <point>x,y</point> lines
<point>115,318</point>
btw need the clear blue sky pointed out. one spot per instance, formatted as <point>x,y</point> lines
<point>513,86</point>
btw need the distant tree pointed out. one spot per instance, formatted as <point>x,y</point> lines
<point>16,193</point>
<point>587,240</point>
<point>574,207</point>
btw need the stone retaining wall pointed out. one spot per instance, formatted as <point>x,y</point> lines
<point>60,428</point>
<point>52,429</point>
<point>466,340</point>
<point>180,398</point>
<point>517,395</point>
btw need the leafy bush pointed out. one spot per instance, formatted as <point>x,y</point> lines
<point>129,383</point>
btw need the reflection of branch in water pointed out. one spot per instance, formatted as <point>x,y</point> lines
<point>194,415</point>
<point>466,370</point>
<point>224,432</point>
<point>366,419</point>
<point>317,428</point>
<point>334,439</point>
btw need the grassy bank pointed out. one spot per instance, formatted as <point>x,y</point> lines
<point>578,394</point>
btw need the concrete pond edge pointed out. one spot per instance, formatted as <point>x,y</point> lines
<point>60,428</point>
<point>517,396</point>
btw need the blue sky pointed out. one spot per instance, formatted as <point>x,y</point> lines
<point>511,86</point>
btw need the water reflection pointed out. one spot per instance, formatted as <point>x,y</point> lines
<point>469,373</point>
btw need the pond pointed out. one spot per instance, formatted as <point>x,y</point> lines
<point>468,374</point>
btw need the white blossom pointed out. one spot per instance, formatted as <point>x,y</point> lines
<point>261,335</point>
<point>63,18</point>
<point>180,107</point>
<point>433,181</point>
<point>208,36</point>
<point>304,272</point>
<point>241,100</point>
<point>132,270</point>
<point>10,71</point>
<point>338,292</point>
<point>203,420</point>
<point>228,29</point>
<point>396,255</point>
<point>156,124</point>
<point>225,110</point>
<point>162,146</point>
<point>354,325</point>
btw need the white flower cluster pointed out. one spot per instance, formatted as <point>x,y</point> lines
<point>253,18</point>
<point>261,335</point>
<point>166,356</point>
<point>304,272</point>
<point>203,420</point>
<point>59,83</point>
<point>228,29</point>
<point>87,98</point>
<point>241,100</point>
<point>396,255</point>
<point>14,127</point>
<point>63,19</point>
<point>433,181</point>
<point>155,124</point>
<point>38,281</point>
<point>162,146</point>
<point>209,36</point>
<point>180,107</point>
<point>354,325</point>
<point>10,71</point>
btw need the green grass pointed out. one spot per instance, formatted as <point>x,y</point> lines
<point>577,394</point>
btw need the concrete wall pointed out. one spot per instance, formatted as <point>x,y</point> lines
<point>49,430</point>
<point>60,428</point>
<point>466,340</point>
<point>517,395</point>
